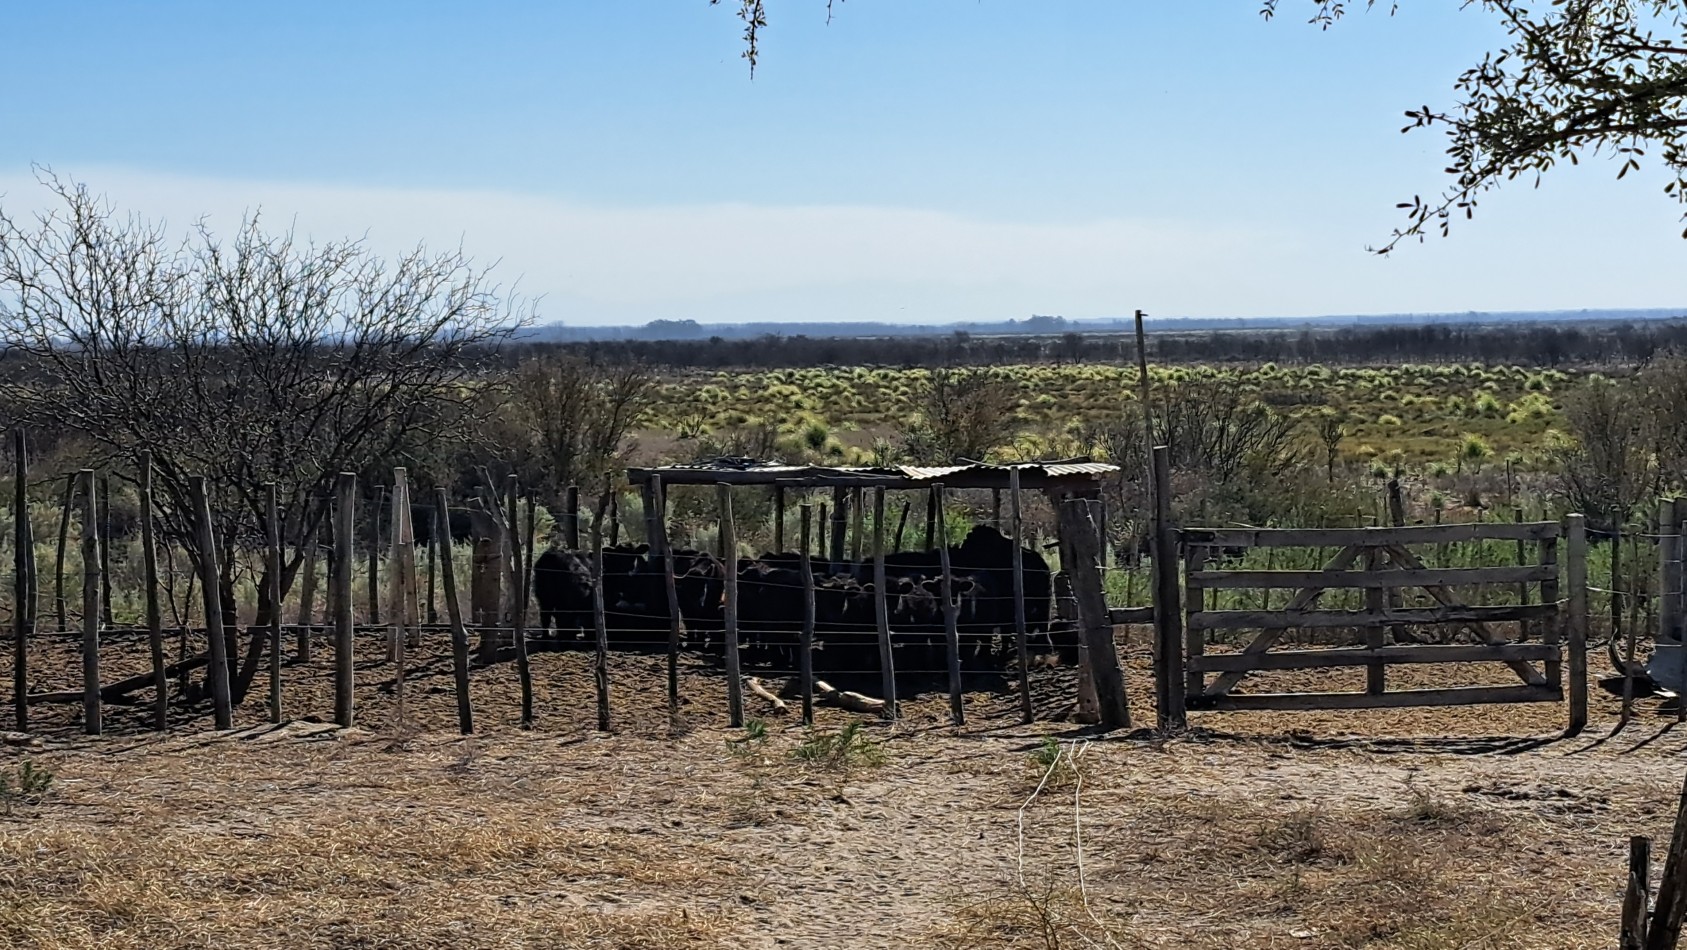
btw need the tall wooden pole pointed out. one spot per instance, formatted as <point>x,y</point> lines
<point>951,622</point>
<point>881,605</point>
<point>1169,677</point>
<point>218,672</point>
<point>307,601</point>
<point>600,661</point>
<point>805,662</point>
<point>1021,648</point>
<point>92,714</point>
<point>154,616</point>
<point>840,528</point>
<point>734,683</point>
<point>454,613</point>
<point>779,519</point>
<point>656,526</point>
<point>23,565</point>
<point>1576,641</point>
<point>64,540</point>
<point>518,604</point>
<point>272,568</point>
<point>345,508</point>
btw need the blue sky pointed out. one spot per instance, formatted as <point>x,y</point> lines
<point>931,161</point>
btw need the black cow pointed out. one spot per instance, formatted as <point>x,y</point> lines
<point>562,584</point>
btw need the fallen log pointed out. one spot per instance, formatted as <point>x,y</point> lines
<point>855,702</point>
<point>121,688</point>
<point>761,690</point>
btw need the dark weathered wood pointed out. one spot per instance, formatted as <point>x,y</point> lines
<point>1299,602</point>
<point>1375,578</point>
<point>1637,895</point>
<point>805,660</point>
<point>932,516</point>
<point>114,691</point>
<point>23,566</point>
<point>92,714</point>
<point>454,613</point>
<point>1130,615</point>
<point>858,523</point>
<point>307,601</point>
<point>1345,657</point>
<point>1325,619</point>
<point>105,549</point>
<point>345,508</point>
<point>1554,665</point>
<point>1457,696</point>
<point>1342,537</point>
<point>518,602</point>
<point>218,673</point>
<point>902,522</point>
<point>571,518</point>
<point>600,626</point>
<point>778,518</point>
<point>272,572</point>
<point>820,524</point>
<point>881,599</point>
<point>64,540</point>
<point>1665,930</point>
<point>656,526</point>
<point>951,622</point>
<point>729,543</point>
<point>1169,643</point>
<point>1576,623</point>
<point>1376,602</point>
<point>1021,645</point>
<point>1078,534</point>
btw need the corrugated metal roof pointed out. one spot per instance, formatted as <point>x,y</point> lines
<point>922,473</point>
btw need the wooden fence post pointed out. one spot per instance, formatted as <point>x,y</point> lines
<point>1094,622</point>
<point>840,527</point>
<point>858,519</point>
<point>307,602</point>
<point>932,518</point>
<point>656,526</point>
<point>805,662</point>
<point>375,558</point>
<point>600,661</point>
<point>1576,640</point>
<point>951,623</point>
<point>571,518</point>
<point>518,603</point>
<point>217,672</point>
<point>23,565</point>
<point>104,536</point>
<point>92,714</point>
<point>64,538</point>
<point>272,567</point>
<point>154,617</point>
<point>345,507</point>
<point>881,605</point>
<point>729,544</point>
<point>779,519</point>
<point>1020,646</point>
<point>454,613</point>
<point>1637,895</point>
<point>1169,685</point>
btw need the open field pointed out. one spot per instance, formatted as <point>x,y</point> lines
<point>1259,830</point>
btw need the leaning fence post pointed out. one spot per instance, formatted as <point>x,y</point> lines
<point>217,672</point>
<point>23,562</point>
<point>272,567</point>
<point>1026,712</point>
<point>729,560</point>
<point>805,662</point>
<point>345,505</point>
<point>1095,627</point>
<point>656,526</point>
<point>1665,930</point>
<point>64,538</point>
<point>154,617</point>
<point>518,604</point>
<point>881,606</point>
<point>91,711</point>
<point>454,613</point>
<point>951,625</point>
<point>600,661</point>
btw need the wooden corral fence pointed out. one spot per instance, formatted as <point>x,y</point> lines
<point>1382,563</point>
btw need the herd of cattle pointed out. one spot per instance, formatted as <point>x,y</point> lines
<point>771,605</point>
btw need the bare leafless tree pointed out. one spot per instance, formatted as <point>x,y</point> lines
<point>246,360</point>
<point>577,415</point>
<point>963,413</point>
<point>1607,464</point>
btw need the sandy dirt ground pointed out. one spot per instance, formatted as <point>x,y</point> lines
<point>1436,828</point>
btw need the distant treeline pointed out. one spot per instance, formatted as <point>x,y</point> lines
<point>1558,344</point>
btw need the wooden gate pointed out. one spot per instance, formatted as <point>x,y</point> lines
<point>1375,568</point>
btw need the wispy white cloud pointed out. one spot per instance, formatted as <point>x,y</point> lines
<point>734,262</point>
